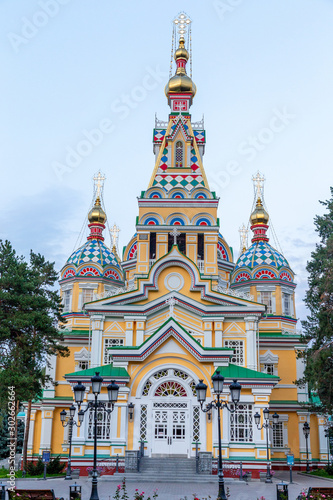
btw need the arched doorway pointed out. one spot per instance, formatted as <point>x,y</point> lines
<point>170,417</point>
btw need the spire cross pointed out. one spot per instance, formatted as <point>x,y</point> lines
<point>114,231</point>
<point>258,181</point>
<point>99,182</point>
<point>171,302</point>
<point>243,237</point>
<point>175,234</point>
<point>182,22</point>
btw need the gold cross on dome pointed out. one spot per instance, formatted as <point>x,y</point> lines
<point>243,237</point>
<point>182,22</point>
<point>99,183</point>
<point>258,182</point>
<point>175,234</point>
<point>114,231</point>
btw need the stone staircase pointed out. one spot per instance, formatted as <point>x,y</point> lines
<point>168,470</point>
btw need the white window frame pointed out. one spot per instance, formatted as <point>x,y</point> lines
<point>109,342</point>
<point>286,291</point>
<point>268,289</point>
<point>81,357</point>
<point>103,424</point>
<point>269,359</point>
<point>236,427</point>
<point>86,286</point>
<point>283,419</point>
<point>67,289</point>
<point>239,351</point>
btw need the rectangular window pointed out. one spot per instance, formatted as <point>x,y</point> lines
<point>110,343</point>
<point>103,423</point>
<point>87,295</point>
<point>266,298</point>
<point>241,423</point>
<point>83,365</point>
<point>269,368</point>
<point>277,432</point>
<point>66,297</point>
<point>238,347</point>
<point>286,304</point>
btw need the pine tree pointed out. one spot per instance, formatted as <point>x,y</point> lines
<point>318,328</point>
<point>30,312</point>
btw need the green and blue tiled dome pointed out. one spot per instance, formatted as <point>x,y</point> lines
<point>261,261</point>
<point>94,258</point>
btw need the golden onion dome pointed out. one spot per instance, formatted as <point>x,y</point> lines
<point>97,213</point>
<point>259,214</point>
<point>181,52</point>
<point>180,82</point>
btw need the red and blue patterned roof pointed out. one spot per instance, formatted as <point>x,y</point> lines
<point>93,251</point>
<point>261,253</point>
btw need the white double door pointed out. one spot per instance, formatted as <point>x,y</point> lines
<point>170,429</point>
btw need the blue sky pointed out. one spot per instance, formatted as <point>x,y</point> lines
<point>264,76</point>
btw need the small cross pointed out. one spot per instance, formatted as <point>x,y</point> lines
<point>114,231</point>
<point>175,234</point>
<point>99,182</point>
<point>258,181</point>
<point>182,21</point>
<point>243,237</point>
<point>171,301</point>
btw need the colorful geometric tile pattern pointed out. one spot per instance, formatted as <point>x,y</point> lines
<point>259,254</point>
<point>159,135</point>
<point>200,136</point>
<point>188,182</point>
<point>93,251</point>
<point>194,160</point>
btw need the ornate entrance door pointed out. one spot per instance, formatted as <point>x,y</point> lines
<point>170,428</point>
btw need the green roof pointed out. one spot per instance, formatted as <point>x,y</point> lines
<point>104,371</point>
<point>235,371</point>
<point>278,334</point>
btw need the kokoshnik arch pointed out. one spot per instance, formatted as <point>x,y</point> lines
<point>174,309</point>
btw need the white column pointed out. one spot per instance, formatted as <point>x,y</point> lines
<point>208,334</point>
<point>97,323</point>
<point>49,390</point>
<point>129,330</point>
<point>251,341</point>
<point>140,331</point>
<point>302,418</point>
<point>261,401</point>
<point>302,391</point>
<point>31,431</point>
<point>323,448</point>
<point>46,432</point>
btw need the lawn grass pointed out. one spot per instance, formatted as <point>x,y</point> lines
<point>320,473</point>
<point>4,473</point>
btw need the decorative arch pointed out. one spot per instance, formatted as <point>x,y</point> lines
<point>203,219</point>
<point>222,252</point>
<point>177,193</point>
<point>112,273</point>
<point>179,154</point>
<point>69,273</point>
<point>177,219</point>
<point>285,276</point>
<point>242,276</point>
<point>151,219</point>
<point>264,274</point>
<point>155,192</point>
<point>201,193</point>
<point>88,271</point>
<point>161,383</point>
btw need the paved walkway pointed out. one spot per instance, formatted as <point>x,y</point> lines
<point>177,491</point>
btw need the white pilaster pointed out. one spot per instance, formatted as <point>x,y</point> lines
<point>31,431</point>
<point>208,333</point>
<point>46,431</point>
<point>323,444</point>
<point>97,324</point>
<point>302,418</point>
<point>251,341</point>
<point>129,331</point>
<point>49,390</point>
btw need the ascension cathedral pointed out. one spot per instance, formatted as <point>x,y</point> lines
<point>172,309</point>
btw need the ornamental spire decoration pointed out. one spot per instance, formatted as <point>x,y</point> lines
<point>259,217</point>
<point>243,233</point>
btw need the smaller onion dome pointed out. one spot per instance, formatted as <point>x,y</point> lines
<point>259,214</point>
<point>180,82</point>
<point>97,214</point>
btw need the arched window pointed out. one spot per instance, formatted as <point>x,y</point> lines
<point>179,153</point>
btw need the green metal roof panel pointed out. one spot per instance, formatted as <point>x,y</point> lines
<point>235,371</point>
<point>104,371</point>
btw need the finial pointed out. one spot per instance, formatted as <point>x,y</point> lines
<point>114,231</point>
<point>99,179</point>
<point>182,22</point>
<point>258,184</point>
<point>243,232</point>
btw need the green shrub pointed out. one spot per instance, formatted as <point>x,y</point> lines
<point>55,466</point>
<point>35,469</point>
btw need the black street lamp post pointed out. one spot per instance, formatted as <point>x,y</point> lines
<point>266,425</point>
<point>96,385</point>
<point>306,432</point>
<point>235,389</point>
<point>70,423</point>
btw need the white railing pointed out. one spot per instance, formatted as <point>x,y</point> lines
<point>233,293</point>
<point>160,123</point>
<point>116,291</point>
<point>199,125</point>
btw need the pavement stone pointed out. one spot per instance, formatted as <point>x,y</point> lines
<point>177,491</point>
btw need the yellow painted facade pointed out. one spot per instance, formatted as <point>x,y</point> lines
<point>171,312</point>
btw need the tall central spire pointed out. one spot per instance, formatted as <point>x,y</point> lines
<point>180,89</point>
<point>259,217</point>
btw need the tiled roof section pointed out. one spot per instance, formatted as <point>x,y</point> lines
<point>260,254</point>
<point>239,372</point>
<point>93,251</point>
<point>104,371</point>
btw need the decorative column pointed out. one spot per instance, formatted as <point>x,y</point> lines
<point>261,401</point>
<point>142,264</point>
<point>129,330</point>
<point>211,240</point>
<point>192,246</point>
<point>46,431</point>
<point>207,333</point>
<point>97,325</point>
<point>161,245</point>
<point>302,418</point>
<point>218,327</point>
<point>49,389</point>
<point>251,341</point>
<point>31,432</point>
<point>322,439</point>
<point>140,330</point>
